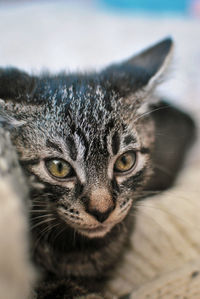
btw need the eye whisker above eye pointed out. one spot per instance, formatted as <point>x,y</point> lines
<point>147,113</point>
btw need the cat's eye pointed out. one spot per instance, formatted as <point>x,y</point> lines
<point>59,168</point>
<point>125,162</point>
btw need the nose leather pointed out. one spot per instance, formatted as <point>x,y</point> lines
<point>101,217</point>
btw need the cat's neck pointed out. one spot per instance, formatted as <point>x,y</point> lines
<point>84,256</point>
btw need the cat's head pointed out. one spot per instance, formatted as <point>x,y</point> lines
<point>85,141</point>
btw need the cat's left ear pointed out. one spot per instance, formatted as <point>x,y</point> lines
<point>15,85</point>
<point>142,71</point>
<point>152,63</point>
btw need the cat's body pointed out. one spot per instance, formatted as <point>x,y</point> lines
<point>90,147</point>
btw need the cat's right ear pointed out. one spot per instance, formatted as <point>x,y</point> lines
<point>15,85</point>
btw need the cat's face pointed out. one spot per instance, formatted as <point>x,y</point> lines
<point>85,161</point>
<point>85,147</point>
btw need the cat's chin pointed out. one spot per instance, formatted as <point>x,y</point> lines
<point>97,232</point>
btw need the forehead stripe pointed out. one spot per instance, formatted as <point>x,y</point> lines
<point>51,145</point>
<point>129,139</point>
<point>72,148</point>
<point>115,143</point>
<point>83,140</point>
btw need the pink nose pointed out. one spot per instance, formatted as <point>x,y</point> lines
<point>99,204</point>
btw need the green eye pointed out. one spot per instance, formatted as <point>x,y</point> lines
<point>59,168</point>
<point>125,162</point>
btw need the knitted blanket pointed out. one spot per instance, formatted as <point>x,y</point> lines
<point>163,260</point>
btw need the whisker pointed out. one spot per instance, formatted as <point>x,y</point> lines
<point>38,211</point>
<point>42,222</point>
<point>39,204</point>
<point>42,216</point>
<point>44,231</point>
<point>42,195</point>
<point>164,170</point>
<point>151,111</point>
<point>59,233</point>
<point>148,192</point>
<point>74,237</point>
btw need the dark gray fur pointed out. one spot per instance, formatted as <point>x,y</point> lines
<point>90,119</point>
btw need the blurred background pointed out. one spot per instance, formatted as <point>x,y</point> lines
<point>89,34</point>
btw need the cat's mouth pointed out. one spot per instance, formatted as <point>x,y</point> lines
<point>88,226</point>
<point>95,232</point>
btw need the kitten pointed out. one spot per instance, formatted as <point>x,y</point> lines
<point>90,146</point>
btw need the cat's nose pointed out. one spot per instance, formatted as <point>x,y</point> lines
<point>99,203</point>
<point>101,217</point>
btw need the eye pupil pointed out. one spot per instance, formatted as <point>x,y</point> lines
<point>60,167</point>
<point>124,160</point>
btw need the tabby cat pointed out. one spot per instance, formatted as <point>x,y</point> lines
<point>90,146</point>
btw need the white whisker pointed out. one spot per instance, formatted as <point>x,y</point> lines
<point>42,222</point>
<point>151,111</point>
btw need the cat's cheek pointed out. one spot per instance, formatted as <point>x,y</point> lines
<point>41,172</point>
<point>122,209</point>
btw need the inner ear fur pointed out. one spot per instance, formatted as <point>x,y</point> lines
<point>15,85</point>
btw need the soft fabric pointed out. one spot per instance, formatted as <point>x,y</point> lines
<point>164,258</point>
